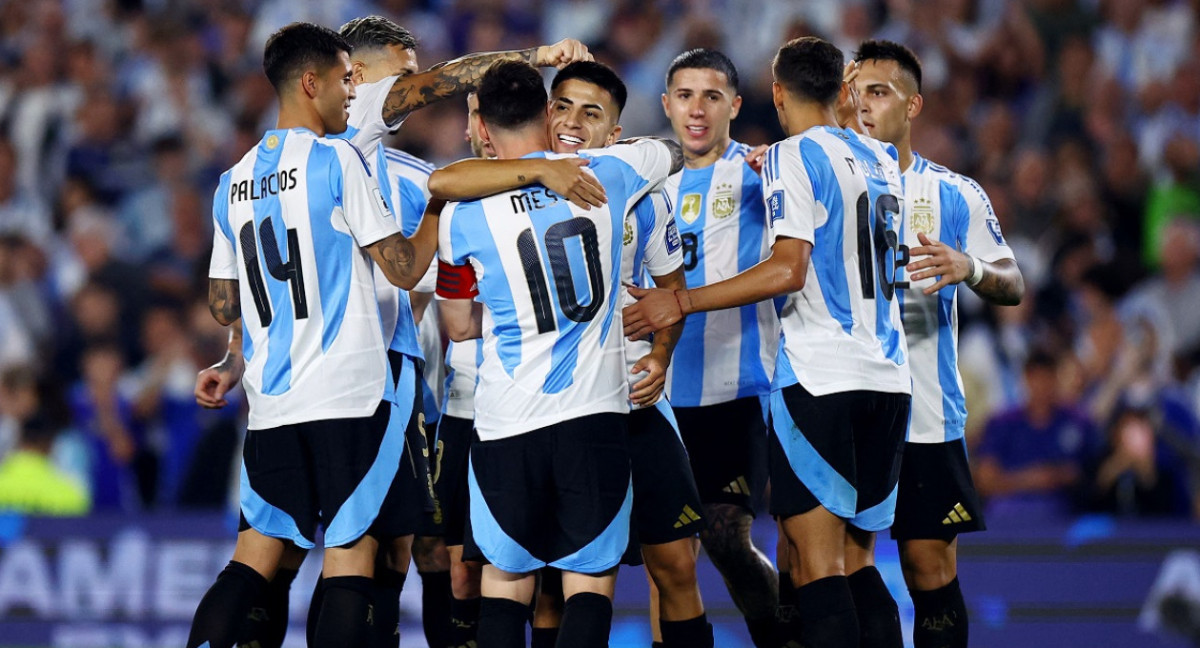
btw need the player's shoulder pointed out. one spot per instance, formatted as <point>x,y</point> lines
<point>736,152</point>
<point>968,187</point>
<point>407,163</point>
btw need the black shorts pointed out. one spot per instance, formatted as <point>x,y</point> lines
<point>726,447</point>
<point>453,452</point>
<point>352,476</point>
<point>560,496</point>
<point>841,451</point>
<point>937,498</point>
<point>417,434</point>
<point>666,503</point>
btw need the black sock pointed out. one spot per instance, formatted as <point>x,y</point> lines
<point>826,610</point>
<point>347,615</point>
<point>941,617</point>
<point>223,609</point>
<point>464,621</point>
<point>586,621</point>
<point>314,611</point>
<point>691,633</point>
<point>787,616</point>
<point>502,623</point>
<point>267,623</point>
<point>657,644</point>
<point>543,638</point>
<point>878,616</point>
<point>435,607</point>
<point>386,588</point>
<point>763,632</point>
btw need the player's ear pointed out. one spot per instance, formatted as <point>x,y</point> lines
<point>613,136</point>
<point>737,106</point>
<point>664,103</point>
<point>915,103</point>
<point>777,95</point>
<point>356,71</point>
<point>308,82</point>
<point>481,128</point>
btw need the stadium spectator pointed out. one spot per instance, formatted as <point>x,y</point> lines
<point>31,484</point>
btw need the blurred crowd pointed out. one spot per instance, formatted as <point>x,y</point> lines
<point>1080,118</point>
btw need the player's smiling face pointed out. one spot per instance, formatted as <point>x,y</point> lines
<point>582,115</point>
<point>886,96</point>
<point>700,104</point>
<point>335,90</point>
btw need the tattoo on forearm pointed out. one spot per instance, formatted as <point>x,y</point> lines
<point>445,80</point>
<point>1002,284</point>
<point>676,149</point>
<point>398,252</point>
<point>223,300</point>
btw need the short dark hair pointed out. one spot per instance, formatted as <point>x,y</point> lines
<point>375,32</point>
<point>511,95</point>
<point>597,74</point>
<point>298,45</point>
<point>811,68</point>
<point>885,50</point>
<point>704,59</point>
<point>1041,358</point>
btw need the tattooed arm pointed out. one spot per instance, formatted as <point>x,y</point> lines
<point>213,383</point>
<point>404,260</point>
<point>223,300</point>
<point>461,75</point>
<point>1001,284</point>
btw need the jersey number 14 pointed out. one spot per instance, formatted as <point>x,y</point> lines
<point>291,272</point>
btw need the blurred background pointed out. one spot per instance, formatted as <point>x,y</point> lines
<point>1080,118</point>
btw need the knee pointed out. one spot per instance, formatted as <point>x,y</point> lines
<point>430,555</point>
<point>927,566</point>
<point>464,580</point>
<point>726,533</point>
<point>673,572</point>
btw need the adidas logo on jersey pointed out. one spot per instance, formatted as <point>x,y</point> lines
<point>687,517</point>
<point>737,487</point>
<point>957,514</point>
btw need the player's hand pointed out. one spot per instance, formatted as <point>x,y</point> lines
<point>562,53</point>
<point>214,382</point>
<point>755,157</point>
<point>648,390</point>
<point>940,260</point>
<point>567,178</point>
<point>849,111</point>
<point>656,309</point>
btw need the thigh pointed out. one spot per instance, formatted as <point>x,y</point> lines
<point>880,425</point>
<point>722,441</point>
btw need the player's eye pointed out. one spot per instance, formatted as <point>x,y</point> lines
<point>591,114</point>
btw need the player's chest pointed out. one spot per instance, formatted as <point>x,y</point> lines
<point>922,214</point>
<point>710,209</point>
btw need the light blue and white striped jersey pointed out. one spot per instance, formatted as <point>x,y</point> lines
<point>652,249</point>
<point>548,274</point>
<point>727,354</point>
<point>366,129</point>
<point>839,191</point>
<point>290,221</point>
<point>953,209</point>
<point>404,185</point>
<point>462,371</point>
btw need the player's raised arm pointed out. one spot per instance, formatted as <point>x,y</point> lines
<point>672,146</point>
<point>461,75</point>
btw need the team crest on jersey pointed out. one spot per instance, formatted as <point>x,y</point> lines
<point>628,237</point>
<point>272,141</point>
<point>922,217</point>
<point>723,204</point>
<point>689,208</point>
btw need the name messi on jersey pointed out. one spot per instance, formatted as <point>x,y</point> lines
<point>268,185</point>
<point>533,199</point>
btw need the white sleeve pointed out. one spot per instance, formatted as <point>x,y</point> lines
<point>791,205</point>
<point>224,256</point>
<point>650,159</point>
<point>983,237</point>
<point>446,252</point>
<point>366,113</point>
<point>367,215</point>
<point>663,246</point>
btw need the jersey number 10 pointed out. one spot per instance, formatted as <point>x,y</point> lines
<point>291,272</point>
<point>560,270</point>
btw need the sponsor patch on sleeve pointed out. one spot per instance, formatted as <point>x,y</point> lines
<point>673,241</point>
<point>775,205</point>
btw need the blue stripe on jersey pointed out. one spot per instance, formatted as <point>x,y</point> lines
<point>784,373</point>
<point>277,371</point>
<point>409,159</point>
<point>565,353</point>
<point>828,249</point>
<point>885,329</point>
<point>385,180</point>
<point>687,385</point>
<point>606,549</point>
<point>752,220</point>
<point>334,249</point>
<point>953,232</point>
<point>247,342</point>
<point>832,490</point>
<point>412,206</point>
<point>221,209</point>
<point>644,218</point>
<point>618,205</point>
<point>265,518</point>
<point>359,510</point>
<point>469,220</point>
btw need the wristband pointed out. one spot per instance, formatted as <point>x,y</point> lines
<point>976,272</point>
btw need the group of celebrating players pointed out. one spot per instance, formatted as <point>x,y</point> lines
<point>639,329</point>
